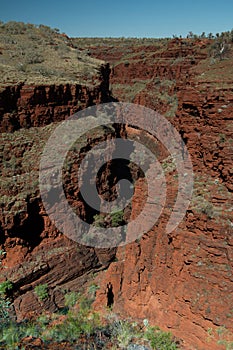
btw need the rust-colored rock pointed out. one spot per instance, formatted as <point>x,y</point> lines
<point>183,281</point>
<point>25,106</point>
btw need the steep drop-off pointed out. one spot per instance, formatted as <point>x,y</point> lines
<point>181,281</point>
<point>36,253</point>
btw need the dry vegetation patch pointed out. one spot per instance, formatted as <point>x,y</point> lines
<point>40,55</point>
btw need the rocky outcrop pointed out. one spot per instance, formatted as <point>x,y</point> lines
<point>25,106</point>
<point>58,263</point>
<point>36,253</point>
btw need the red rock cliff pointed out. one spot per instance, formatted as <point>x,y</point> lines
<point>182,282</point>
<point>36,252</point>
<point>25,106</point>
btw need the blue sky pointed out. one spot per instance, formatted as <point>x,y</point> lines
<point>145,18</point>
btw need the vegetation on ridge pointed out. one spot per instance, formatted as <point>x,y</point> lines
<point>40,55</point>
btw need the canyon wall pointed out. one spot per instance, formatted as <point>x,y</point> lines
<point>36,252</point>
<point>25,106</point>
<point>181,281</point>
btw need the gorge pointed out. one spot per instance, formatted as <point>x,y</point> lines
<point>181,281</point>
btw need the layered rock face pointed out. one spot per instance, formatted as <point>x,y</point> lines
<point>36,253</point>
<point>25,106</point>
<point>183,281</point>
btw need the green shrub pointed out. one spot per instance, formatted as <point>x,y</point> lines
<point>9,336</point>
<point>29,329</point>
<point>92,290</point>
<point>65,331</point>
<point>123,332</point>
<point>75,325</point>
<point>99,220</point>
<point>11,333</point>
<point>4,309</point>
<point>117,218</point>
<point>160,340</point>
<point>114,219</point>
<point>80,325</point>
<point>43,321</point>
<point>85,305</point>
<point>41,291</point>
<point>5,287</point>
<point>228,344</point>
<point>222,138</point>
<point>71,299</point>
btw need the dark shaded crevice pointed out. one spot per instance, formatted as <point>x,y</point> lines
<point>110,295</point>
<point>191,109</point>
<point>184,138</point>
<point>170,240</point>
<point>9,98</point>
<point>31,229</point>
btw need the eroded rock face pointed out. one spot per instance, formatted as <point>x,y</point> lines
<point>36,253</point>
<point>25,106</point>
<point>181,281</point>
<point>61,264</point>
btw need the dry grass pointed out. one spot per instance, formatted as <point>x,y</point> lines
<point>119,42</point>
<point>40,55</point>
<point>215,71</point>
